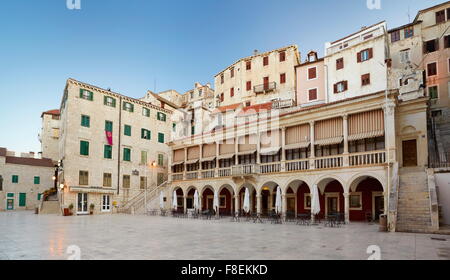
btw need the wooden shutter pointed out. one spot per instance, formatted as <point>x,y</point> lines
<point>249,85</point>
<point>358,57</point>
<point>282,78</point>
<point>193,153</point>
<point>345,85</point>
<point>370,53</point>
<point>335,89</point>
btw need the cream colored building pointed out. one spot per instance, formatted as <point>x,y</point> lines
<point>311,81</point>
<point>49,136</point>
<point>23,180</point>
<point>98,172</point>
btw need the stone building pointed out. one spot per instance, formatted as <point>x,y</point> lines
<point>23,180</point>
<point>49,136</point>
<point>311,81</point>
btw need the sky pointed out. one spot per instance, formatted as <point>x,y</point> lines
<point>132,46</point>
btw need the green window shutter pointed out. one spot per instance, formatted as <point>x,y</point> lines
<point>146,112</point>
<point>84,148</point>
<point>109,101</point>
<point>22,199</point>
<point>108,126</point>
<point>193,130</point>
<point>126,154</point>
<point>127,130</point>
<point>37,180</point>
<point>85,121</point>
<point>39,196</point>
<point>161,116</point>
<point>91,96</point>
<point>15,179</point>
<point>146,134</point>
<point>107,153</point>
<point>161,137</point>
<point>160,159</point>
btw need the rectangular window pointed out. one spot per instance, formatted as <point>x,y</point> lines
<point>108,126</point>
<point>433,92</point>
<point>161,138</point>
<point>146,112</point>
<point>232,72</point>
<point>85,121</point>
<point>146,134</point>
<point>364,55</point>
<point>365,80</point>
<point>160,160</point>
<point>128,107</point>
<point>160,179</point>
<point>222,97</point>
<point>107,152</point>
<point>86,94</point>
<point>83,178</point>
<point>143,183</point>
<point>84,148</point>
<point>440,16</point>
<point>248,65</point>
<point>355,201</point>
<point>161,116</point>
<point>447,41</point>
<point>249,86</point>
<point>312,73</point>
<point>312,94</point>
<point>265,61</point>
<point>15,179</point>
<point>395,36</point>
<point>22,199</point>
<point>340,63</point>
<point>193,130</point>
<point>340,87</point>
<point>107,180</point>
<point>37,180</point>
<point>232,92</point>
<point>409,32</point>
<point>174,127</point>
<point>109,101</point>
<point>144,157</point>
<point>282,56</point>
<point>106,203</point>
<point>282,78</point>
<point>432,69</point>
<point>126,154</point>
<point>404,56</point>
<point>431,46</point>
<point>127,130</point>
<point>222,79</point>
<point>126,181</point>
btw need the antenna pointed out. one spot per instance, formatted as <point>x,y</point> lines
<point>409,14</point>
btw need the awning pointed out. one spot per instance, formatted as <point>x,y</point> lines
<point>330,141</point>
<point>250,152</point>
<point>227,156</point>
<point>93,190</point>
<point>366,135</point>
<point>301,145</point>
<point>270,151</point>
<point>208,159</point>
<point>192,161</point>
<point>178,163</point>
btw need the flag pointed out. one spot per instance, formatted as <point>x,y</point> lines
<point>109,137</point>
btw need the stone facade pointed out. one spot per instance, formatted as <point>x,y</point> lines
<point>49,136</point>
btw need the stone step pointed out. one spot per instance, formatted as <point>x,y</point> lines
<point>416,218</point>
<point>50,207</point>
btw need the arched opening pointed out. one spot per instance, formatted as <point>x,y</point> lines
<point>180,200</point>
<point>366,199</point>
<point>190,198</point>
<point>226,200</point>
<point>303,198</point>
<point>252,192</point>
<point>331,197</point>
<point>268,197</point>
<point>208,198</point>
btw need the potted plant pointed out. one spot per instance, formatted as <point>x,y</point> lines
<point>70,209</point>
<point>91,209</point>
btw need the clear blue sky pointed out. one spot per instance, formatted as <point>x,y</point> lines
<point>128,44</point>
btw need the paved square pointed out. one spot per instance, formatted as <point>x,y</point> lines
<point>24,235</point>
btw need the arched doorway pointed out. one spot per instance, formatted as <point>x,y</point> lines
<point>190,198</point>
<point>331,197</point>
<point>366,199</point>
<point>208,198</point>
<point>298,194</point>
<point>268,197</point>
<point>180,200</point>
<point>226,200</point>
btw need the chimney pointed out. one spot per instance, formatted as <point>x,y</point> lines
<point>32,154</point>
<point>255,52</point>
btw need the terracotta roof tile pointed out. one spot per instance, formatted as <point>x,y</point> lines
<point>45,162</point>
<point>51,112</point>
<point>231,107</point>
<point>249,110</point>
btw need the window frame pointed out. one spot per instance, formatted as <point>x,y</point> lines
<point>127,130</point>
<point>436,69</point>
<point>84,148</point>
<point>107,149</point>
<point>437,92</point>
<point>126,154</point>
<point>309,94</point>
<point>85,118</point>
<point>308,73</point>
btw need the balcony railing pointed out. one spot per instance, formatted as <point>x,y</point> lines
<point>208,174</point>
<point>243,170</point>
<point>270,168</point>
<point>329,162</point>
<point>192,175</point>
<point>367,158</point>
<point>440,161</point>
<point>266,87</point>
<point>177,176</point>
<point>225,172</point>
<point>297,165</point>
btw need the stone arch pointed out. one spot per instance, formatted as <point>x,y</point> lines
<point>226,195</point>
<point>370,191</point>
<point>324,180</point>
<point>409,129</point>
<point>358,178</point>
<point>271,184</point>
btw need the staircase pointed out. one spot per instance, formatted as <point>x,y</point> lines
<point>413,210</point>
<point>137,204</point>
<point>50,206</point>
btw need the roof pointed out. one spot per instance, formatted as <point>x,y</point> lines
<point>250,110</point>
<point>162,99</point>
<point>404,26</point>
<point>428,9</point>
<point>231,107</point>
<point>310,62</point>
<point>54,112</point>
<point>44,162</point>
<point>362,30</point>
<point>3,152</point>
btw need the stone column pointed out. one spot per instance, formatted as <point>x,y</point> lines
<point>236,150</point>
<point>346,154</point>
<point>313,146</point>
<point>200,160</point>
<point>284,206</point>
<point>258,204</point>
<point>283,151</point>
<point>236,204</point>
<point>200,203</point>
<point>389,116</point>
<point>217,158</point>
<point>258,148</point>
<point>347,207</point>
<point>185,165</point>
<point>185,204</point>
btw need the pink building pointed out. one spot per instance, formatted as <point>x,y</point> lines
<point>310,88</point>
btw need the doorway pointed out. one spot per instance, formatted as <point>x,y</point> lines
<point>378,206</point>
<point>409,149</point>
<point>332,205</point>
<point>82,207</point>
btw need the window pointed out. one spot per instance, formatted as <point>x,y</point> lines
<point>433,92</point>
<point>85,121</point>
<point>200,92</point>
<point>282,78</point>
<point>108,126</point>
<point>436,114</point>
<point>1,183</point>
<point>55,132</point>
<point>355,201</point>
<point>126,181</point>
<point>106,203</point>
<point>404,56</point>
<point>312,73</point>
<point>409,32</point>
<point>107,180</point>
<point>128,107</point>
<point>222,79</point>
<point>193,130</point>
<point>161,138</point>
<point>160,160</point>
<point>161,116</point>
<point>365,55</point>
<point>232,72</point>
<point>248,104</point>
<point>86,94</point>
<point>232,92</point>
<point>143,183</point>
<point>365,80</point>
<point>144,157</point>
<point>127,130</point>
<point>84,148</point>
<point>307,201</point>
<point>191,94</point>
<point>447,41</point>
<point>340,63</point>
<point>83,178</point>
<point>109,101</point>
<point>126,154</point>
<point>15,179</point>
<point>395,36</point>
<point>22,199</point>
<point>222,97</point>
<point>440,16</point>
<point>249,86</point>
<point>431,46</point>
<point>248,65</point>
<point>160,179</point>
<point>432,69</point>
<point>174,127</point>
<point>265,61</point>
<point>146,134</point>
<point>282,56</point>
<point>312,94</point>
<point>340,87</point>
<point>107,152</point>
<point>146,112</point>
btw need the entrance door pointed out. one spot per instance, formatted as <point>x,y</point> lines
<point>10,204</point>
<point>265,202</point>
<point>409,153</point>
<point>210,203</point>
<point>332,205</point>
<point>379,206</point>
<point>291,204</point>
<point>82,207</point>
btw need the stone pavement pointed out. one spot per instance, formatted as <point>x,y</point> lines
<point>24,235</point>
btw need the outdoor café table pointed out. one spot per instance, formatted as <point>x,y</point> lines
<point>257,219</point>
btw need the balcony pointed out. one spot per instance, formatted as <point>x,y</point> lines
<point>244,170</point>
<point>265,88</point>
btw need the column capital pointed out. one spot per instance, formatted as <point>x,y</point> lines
<point>345,117</point>
<point>311,123</point>
<point>346,194</point>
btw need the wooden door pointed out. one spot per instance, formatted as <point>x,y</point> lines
<point>409,149</point>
